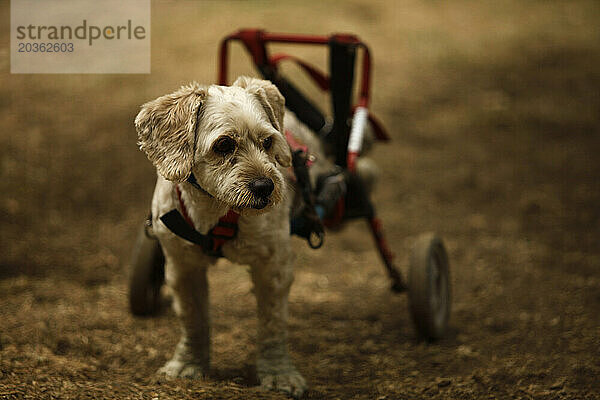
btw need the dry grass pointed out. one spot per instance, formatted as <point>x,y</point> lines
<point>493,107</point>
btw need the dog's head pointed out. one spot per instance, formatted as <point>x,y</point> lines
<point>231,138</point>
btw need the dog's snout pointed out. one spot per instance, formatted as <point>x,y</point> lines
<point>262,187</point>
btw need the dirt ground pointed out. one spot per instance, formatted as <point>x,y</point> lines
<point>494,110</point>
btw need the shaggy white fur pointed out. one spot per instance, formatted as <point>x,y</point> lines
<point>229,137</point>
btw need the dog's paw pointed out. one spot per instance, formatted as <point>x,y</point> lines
<point>289,381</point>
<point>181,369</point>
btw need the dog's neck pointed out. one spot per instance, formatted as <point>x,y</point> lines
<point>203,209</point>
<point>194,182</point>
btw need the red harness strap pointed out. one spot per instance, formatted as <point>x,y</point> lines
<point>319,77</point>
<point>224,230</point>
<point>296,145</point>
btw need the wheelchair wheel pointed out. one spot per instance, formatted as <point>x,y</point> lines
<point>147,275</point>
<point>429,287</point>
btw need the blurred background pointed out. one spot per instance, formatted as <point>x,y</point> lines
<point>494,112</point>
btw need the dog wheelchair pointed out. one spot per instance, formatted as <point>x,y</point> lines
<point>338,196</point>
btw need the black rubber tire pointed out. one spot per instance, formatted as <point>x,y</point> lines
<point>429,287</point>
<point>147,275</point>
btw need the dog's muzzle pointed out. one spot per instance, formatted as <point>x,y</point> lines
<point>261,188</point>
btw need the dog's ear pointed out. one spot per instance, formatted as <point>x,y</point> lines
<point>269,97</point>
<point>273,103</point>
<point>166,129</point>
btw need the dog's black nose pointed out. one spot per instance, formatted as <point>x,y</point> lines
<point>262,187</point>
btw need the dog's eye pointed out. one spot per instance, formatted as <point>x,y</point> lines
<point>224,145</point>
<point>268,142</point>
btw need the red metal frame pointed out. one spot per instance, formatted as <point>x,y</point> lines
<point>255,39</point>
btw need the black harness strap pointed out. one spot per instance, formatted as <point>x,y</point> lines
<point>192,181</point>
<point>179,226</point>
<point>311,227</point>
<point>182,225</point>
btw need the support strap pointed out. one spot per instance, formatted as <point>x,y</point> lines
<point>182,225</point>
<point>324,83</point>
<point>319,77</point>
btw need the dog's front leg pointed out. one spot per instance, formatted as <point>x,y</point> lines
<point>272,280</point>
<point>189,284</point>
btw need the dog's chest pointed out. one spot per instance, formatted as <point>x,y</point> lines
<point>255,241</point>
<point>204,214</point>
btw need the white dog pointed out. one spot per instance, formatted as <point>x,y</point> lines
<point>221,151</point>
